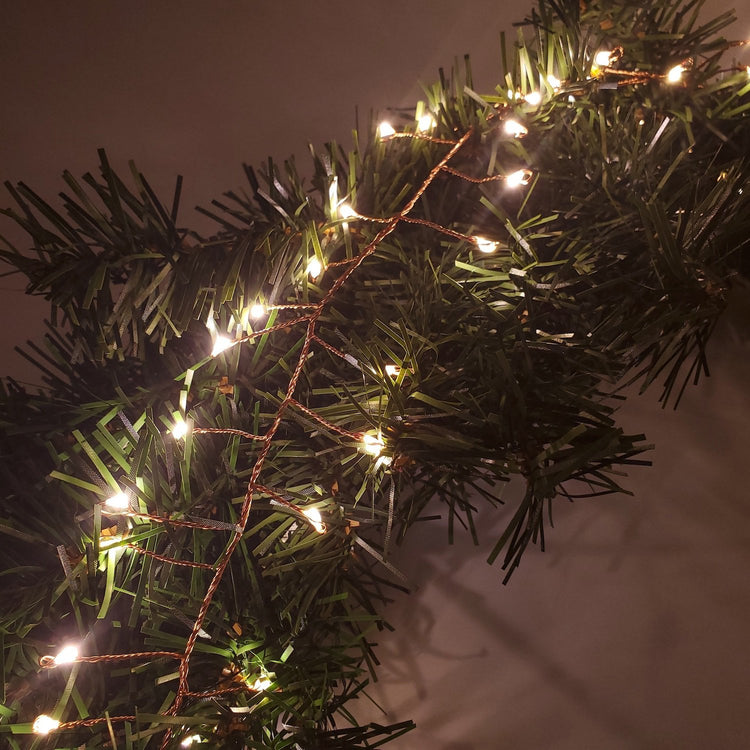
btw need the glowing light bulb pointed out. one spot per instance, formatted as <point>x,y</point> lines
<point>392,370</point>
<point>518,178</point>
<point>674,75</point>
<point>484,245</point>
<point>190,740</point>
<point>534,98</point>
<point>514,128</point>
<point>603,58</point>
<point>257,311</point>
<point>426,122</point>
<point>315,519</point>
<point>372,444</point>
<point>386,130</point>
<point>554,82</point>
<point>220,344</point>
<point>314,268</point>
<point>262,683</point>
<point>179,429</point>
<point>347,212</point>
<point>44,724</point>
<point>118,501</point>
<point>67,655</point>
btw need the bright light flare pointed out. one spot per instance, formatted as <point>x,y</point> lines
<point>221,343</point>
<point>484,245</point>
<point>262,683</point>
<point>314,268</point>
<point>674,75</point>
<point>118,501</point>
<point>315,519</point>
<point>372,444</point>
<point>347,212</point>
<point>554,82</point>
<point>179,428</point>
<point>426,122</point>
<point>386,130</point>
<point>392,370</point>
<point>257,311</point>
<point>515,129</point>
<point>44,724</point>
<point>533,98</point>
<point>67,655</point>
<point>603,58</point>
<point>190,740</point>
<point>518,178</point>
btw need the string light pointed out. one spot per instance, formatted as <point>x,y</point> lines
<point>262,683</point>
<point>347,212</point>
<point>257,311</point>
<point>118,501</point>
<point>191,740</point>
<point>179,429</point>
<point>221,343</point>
<point>484,245</point>
<point>67,655</point>
<point>392,370</point>
<point>386,130</point>
<point>44,724</point>
<point>426,122</point>
<point>518,178</point>
<point>554,82</point>
<point>515,129</point>
<point>603,58</point>
<point>315,519</point>
<point>674,75</point>
<point>314,268</point>
<point>372,444</point>
<point>534,98</point>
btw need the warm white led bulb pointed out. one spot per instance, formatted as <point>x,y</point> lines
<point>603,58</point>
<point>190,740</point>
<point>67,655</point>
<point>314,268</point>
<point>372,444</point>
<point>518,178</point>
<point>484,245</point>
<point>534,98</point>
<point>118,501</point>
<point>554,82</point>
<point>674,75</point>
<point>262,683</point>
<point>44,724</point>
<point>385,130</point>
<point>179,429</point>
<point>425,122</point>
<point>392,370</point>
<point>257,311</point>
<point>514,128</point>
<point>346,211</point>
<point>220,344</point>
<point>315,519</point>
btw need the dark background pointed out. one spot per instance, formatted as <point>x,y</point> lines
<point>631,631</point>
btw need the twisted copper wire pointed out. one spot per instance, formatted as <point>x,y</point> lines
<point>172,560</point>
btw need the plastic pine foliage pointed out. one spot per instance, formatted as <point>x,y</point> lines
<point>484,280</point>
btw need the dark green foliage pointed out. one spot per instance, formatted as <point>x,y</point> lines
<point>612,267</point>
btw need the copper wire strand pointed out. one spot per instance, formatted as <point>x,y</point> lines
<point>47,662</point>
<point>475,180</point>
<point>419,137</point>
<point>178,522</point>
<point>223,562</point>
<point>323,421</point>
<point>163,558</point>
<point>227,431</point>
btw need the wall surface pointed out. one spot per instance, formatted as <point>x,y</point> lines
<point>630,632</point>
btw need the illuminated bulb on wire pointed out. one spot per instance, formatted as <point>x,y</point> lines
<point>262,683</point>
<point>392,370</point>
<point>518,178</point>
<point>484,245</point>
<point>386,130</point>
<point>314,268</point>
<point>534,98</point>
<point>220,344</point>
<point>674,75</point>
<point>316,521</point>
<point>554,82</point>
<point>118,501</point>
<point>603,58</point>
<point>514,128</point>
<point>179,429</point>
<point>347,212</point>
<point>257,311</point>
<point>425,122</point>
<point>189,741</point>
<point>372,444</point>
<point>44,724</point>
<point>67,655</point>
